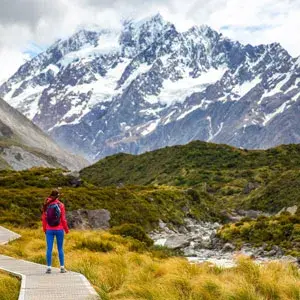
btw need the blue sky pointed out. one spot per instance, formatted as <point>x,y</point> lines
<point>32,49</point>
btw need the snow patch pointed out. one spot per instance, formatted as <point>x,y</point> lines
<point>27,102</point>
<point>275,90</point>
<point>270,116</point>
<point>167,119</point>
<point>143,68</point>
<point>150,111</point>
<point>51,67</point>
<point>203,104</point>
<point>104,88</point>
<point>296,97</point>
<point>107,43</point>
<point>246,86</point>
<point>151,127</point>
<point>210,129</point>
<point>178,91</point>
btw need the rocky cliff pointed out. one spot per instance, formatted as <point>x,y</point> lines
<point>147,86</point>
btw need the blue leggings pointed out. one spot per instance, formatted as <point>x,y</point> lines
<point>50,234</point>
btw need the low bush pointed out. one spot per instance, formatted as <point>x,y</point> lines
<point>134,231</point>
<point>141,205</point>
<point>283,230</point>
<point>95,245</point>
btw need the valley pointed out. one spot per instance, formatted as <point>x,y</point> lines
<point>176,153</point>
<point>198,182</point>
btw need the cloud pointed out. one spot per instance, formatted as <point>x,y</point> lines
<point>29,12</point>
<point>24,22</point>
<point>10,60</point>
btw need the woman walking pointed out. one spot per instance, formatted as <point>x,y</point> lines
<point>54,225</point>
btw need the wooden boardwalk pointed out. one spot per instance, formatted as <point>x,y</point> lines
<point>36,285</point>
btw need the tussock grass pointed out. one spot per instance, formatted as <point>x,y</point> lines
<point>9,287</point>
<point>124,274</point>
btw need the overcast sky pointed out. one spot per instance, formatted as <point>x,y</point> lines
<point>28,26</point>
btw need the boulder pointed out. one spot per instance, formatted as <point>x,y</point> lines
<point>260,251</point>
<point>182,229</point>
<point>252,214</point>
<point>89,219</point>
<point>292,210</point>
<point>250,186</point>
<point>289,259</point>
<point>270,253</point>
<point>228,247</point>
<point>177,242</point>
<point>74,178</point>
<point>279,252</point>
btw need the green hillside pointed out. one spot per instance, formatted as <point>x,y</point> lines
<point>201,180</point>
<point>282,191</point>
<point>257,179</point>
<point>23,192</point>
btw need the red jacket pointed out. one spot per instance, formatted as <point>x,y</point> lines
<point>63,225</point>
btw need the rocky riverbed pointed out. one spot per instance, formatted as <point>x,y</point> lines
<point>199,243</point>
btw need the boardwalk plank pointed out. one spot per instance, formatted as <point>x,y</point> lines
<point>36,285</point>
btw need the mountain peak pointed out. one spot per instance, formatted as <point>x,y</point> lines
<point>157,18</point>
<point>148,86</point>
<point>200,28</point>
<point>150,23</point>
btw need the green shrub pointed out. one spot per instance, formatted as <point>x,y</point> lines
<point>134,231</point>
<point>141,205</point>
<point>283,230</point>
<point>95,245</point>
<point>164,252</point>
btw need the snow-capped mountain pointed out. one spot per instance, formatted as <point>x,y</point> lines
<point>148,86</point>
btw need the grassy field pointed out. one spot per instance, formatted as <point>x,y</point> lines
<point>122,268</point>
<point>9,287</point>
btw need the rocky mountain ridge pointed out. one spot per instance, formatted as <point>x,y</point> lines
<point>23,145</point>
<point>148,86</point>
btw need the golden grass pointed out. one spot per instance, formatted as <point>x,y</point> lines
<point>9,287</point>
<point>123,274</point>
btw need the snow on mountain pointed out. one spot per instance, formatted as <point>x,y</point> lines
<point>177,91</point>
<point>148,86</point>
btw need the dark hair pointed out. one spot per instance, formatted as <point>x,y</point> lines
<point>54,195</point>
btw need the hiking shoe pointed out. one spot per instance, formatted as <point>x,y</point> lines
<point>63,270</point>
<point>48,271</point>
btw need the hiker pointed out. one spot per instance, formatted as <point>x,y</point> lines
<point>54,225</point>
